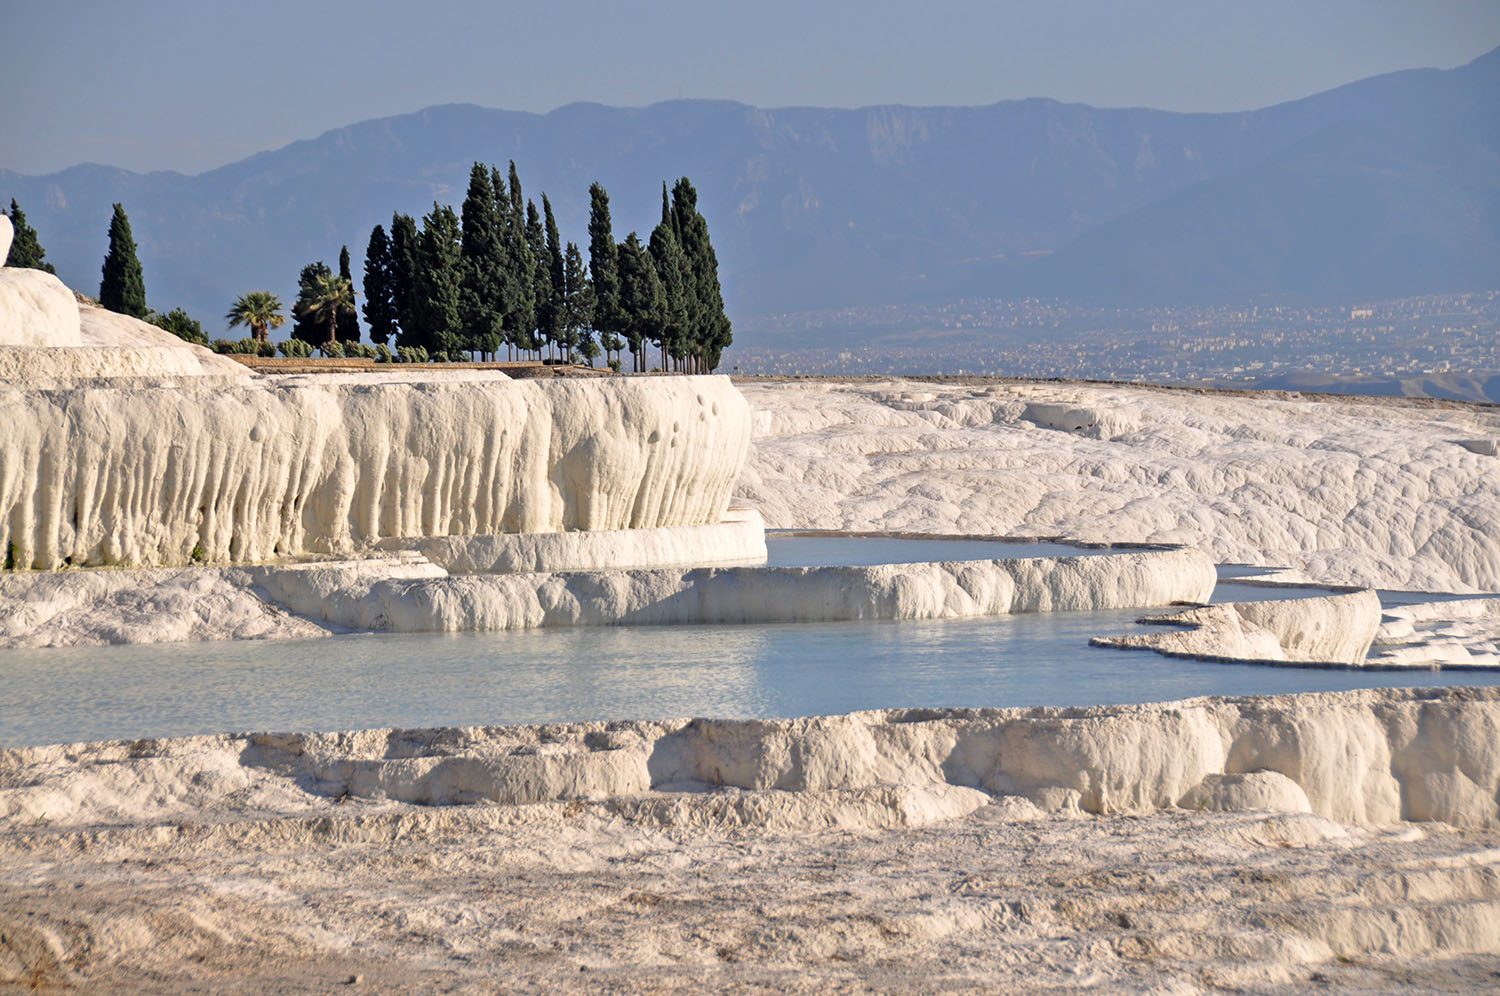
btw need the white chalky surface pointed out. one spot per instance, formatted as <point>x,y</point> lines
<point>928,849</point>
<point>1361,491</point>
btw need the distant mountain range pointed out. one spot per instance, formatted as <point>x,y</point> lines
<point>1385,187</point>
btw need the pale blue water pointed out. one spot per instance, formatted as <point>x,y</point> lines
<point>800,549</point>
<point>54,696</point>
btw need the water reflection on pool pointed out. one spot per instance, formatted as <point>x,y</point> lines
<point>347,682</point>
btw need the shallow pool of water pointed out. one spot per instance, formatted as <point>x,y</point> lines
<point>805,549</point>
<point>52,696</point>
<point>346,682</point>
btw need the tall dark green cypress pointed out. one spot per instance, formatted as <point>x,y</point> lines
<point>671,267</point>
<point>439,283</point>
<point>306,325</point>
<point>380,303</point>
<point>642,302</point>
<point>520,322</point>
<point>711,331</point>
<point>549,315</point>
<point>556,254</point>
<point>480,299</point>
<point>504,273</point>
<point>604,268</point>
<point>541,276</point>
<point>348,320</point>
<point>405,243</point>
<point>123,287</point>
<point>26,249</point>
<point>577,305</point>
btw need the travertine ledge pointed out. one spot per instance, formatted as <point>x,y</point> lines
<point>1325,629</point>
<point>406,593</point>
<point>739,538</point>
<point>1365,757</point>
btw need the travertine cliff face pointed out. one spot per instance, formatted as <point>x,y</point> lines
<point>125,445</point>
<point>103,473</point>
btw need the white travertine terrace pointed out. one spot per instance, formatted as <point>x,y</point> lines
<point>37,310</point>
<point>276,467</point>
<point>406,593</point>
<point>1327,629</point>
<point>1374,492</point>
<point>738,538</point>
<point>1240,844</point>
<point>958,590</point>
<point>1448,634</point>
<point>128,446</point>
<point>1369,757</point>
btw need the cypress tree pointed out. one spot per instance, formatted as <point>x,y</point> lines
<point>26,249</point>
<point>404,245</point>
<point>520,319</point>
<point>348,320</point>
<point>551,314</point>
<point>603,268</point>
<point>504,269</point>
<point>577,306</point>
<point>710,328</point>
<point>642,301</point>
<point>439,283</point>
<point>677,285</point>
<point>123,288</point>
<point>541,276</point>
<point>380,303</point>
<point>480,299</point>
<point>671,267</point>
<point>306,325</point>
<point>517,201</point>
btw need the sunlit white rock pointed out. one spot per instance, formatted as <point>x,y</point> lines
<point>1370,757</point>
<point>36,309</point>
<point>1365,491</point>
<point>1328,629</point>
<point>738,538</point>
<point>406,593</point>
<point>275,467</point>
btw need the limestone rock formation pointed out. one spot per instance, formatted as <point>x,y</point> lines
<point>406,593</point>
<point>36,310</point>
<point>1370,757</point>
<point>1362,491</point>
<point>738,538</point>
<point>276,467</point>
<point>1329,629</point>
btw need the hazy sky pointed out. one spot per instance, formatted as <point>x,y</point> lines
<point>192,84</point>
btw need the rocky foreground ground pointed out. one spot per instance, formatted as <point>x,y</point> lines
<point>567,896</point>
<point>1258,843</point>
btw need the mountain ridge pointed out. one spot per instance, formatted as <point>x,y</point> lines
<point>816,207</point>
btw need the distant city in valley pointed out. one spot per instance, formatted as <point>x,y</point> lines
<point>1438,345</point>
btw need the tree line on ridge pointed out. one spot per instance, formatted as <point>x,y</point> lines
<point>495,275</point>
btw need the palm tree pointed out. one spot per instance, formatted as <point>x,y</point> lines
<point>331,295</point>
<point>259,311</point>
